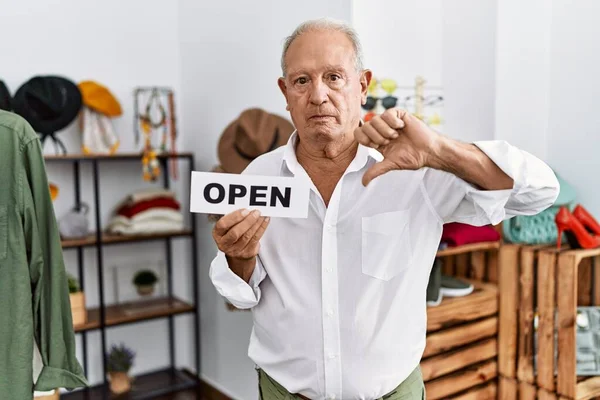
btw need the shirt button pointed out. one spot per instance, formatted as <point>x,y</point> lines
<point>330,312</point>
<point>332,356</point>
<point>328,269</point>
<point>332,396</point>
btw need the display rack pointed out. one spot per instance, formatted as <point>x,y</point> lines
<point>170,379</point>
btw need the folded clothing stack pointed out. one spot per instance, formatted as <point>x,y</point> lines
<point>458,234</point>
<point>147,212</point>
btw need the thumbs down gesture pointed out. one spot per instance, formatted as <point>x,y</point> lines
<point>404,140</point>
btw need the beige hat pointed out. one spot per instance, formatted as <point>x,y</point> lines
<point>253,133</point>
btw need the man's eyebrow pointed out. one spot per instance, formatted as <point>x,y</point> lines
<point>328,67</point>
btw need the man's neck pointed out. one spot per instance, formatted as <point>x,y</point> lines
<point>328,158</point>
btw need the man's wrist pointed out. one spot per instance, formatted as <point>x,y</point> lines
<point>439,152</point>
<point>242,267</point>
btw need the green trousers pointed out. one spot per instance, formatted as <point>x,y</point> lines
<point>412,388</point>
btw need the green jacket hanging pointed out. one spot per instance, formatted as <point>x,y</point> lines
<point>34,296</point>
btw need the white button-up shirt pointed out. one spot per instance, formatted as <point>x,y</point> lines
<point>338,298</point>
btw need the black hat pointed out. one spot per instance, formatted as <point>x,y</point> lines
<point>48,103</point>
<point>4,97</point>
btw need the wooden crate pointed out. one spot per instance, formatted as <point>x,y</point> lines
<point>460,358</point>
<point>462,348</point>
<point>550,283</point>
<point>511,389</point>
<point>518,272</point>
<point>477,261</point>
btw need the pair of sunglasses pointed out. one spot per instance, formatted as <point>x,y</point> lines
<point>387,102</point>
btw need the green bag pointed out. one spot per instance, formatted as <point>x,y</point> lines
<point>539,228</point>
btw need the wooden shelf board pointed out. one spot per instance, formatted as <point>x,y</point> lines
<point>588,388</point>
<point>118,156</point>
<point>467,248</point>
<point>111,238</point>
<point>146,386</point>
<point>135,311</point>
<point>481,303</point>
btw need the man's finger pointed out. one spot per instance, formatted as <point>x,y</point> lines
<point>394,119</point>
<point>361,137</point>
<point>229,220</point>
<point>250,233</point>
<point>260,231</point>
<point>374,136</point>
<point>376,170</point>
<point>246,237</point>
<point>235,233</point>
<point>383,128</point>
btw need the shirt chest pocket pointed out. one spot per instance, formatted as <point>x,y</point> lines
<point>386,246</point>
<point>3,232</point>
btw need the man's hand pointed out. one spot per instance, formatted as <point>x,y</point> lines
<point>405,141</point>
<point>238,235</point>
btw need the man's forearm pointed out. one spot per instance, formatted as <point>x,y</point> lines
<point>469,163</point>
<point>242,267</point>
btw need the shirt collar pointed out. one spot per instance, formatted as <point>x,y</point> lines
<point>363,154</point>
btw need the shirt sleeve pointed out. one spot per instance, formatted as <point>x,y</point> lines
<point>239,293</point>
<point>455,200</point>
<point>52,320</point>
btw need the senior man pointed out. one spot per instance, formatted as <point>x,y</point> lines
<point>338,298</point>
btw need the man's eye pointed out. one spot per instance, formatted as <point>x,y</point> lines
<point>334,78</point>
<point>302,81</point>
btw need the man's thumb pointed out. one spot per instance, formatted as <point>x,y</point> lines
<point>376,170</point>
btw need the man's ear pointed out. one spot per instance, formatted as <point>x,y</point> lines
<point>283,88</point>
<point>365,79</point>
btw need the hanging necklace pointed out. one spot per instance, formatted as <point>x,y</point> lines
<point>149,161</point>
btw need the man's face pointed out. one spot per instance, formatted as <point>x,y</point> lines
<point>323,90</point>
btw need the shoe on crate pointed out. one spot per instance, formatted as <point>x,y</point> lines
<point>454,287</point>
<point>434,294</point>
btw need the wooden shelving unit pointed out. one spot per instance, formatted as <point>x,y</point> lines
<point>166,381</point>
<point>138,311</point>
<point>156,385</point>
<point>108,238</point>
<point>461,353</point>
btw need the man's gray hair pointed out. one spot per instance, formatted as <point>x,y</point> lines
<point>325,24</point>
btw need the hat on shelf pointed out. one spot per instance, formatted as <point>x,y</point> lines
<point>99,98</point>
<point>48,103</point>
<point>253,133</point>
<point>5,99</point>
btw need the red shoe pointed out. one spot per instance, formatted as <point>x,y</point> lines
<point>586,219</point>
<point>566,222</point>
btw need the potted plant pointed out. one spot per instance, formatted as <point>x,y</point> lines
<point>77,300</point>
<point>144,281</point>
<point>118,363</point>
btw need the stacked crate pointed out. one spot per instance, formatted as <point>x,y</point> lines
<point>541,363</point>
<point>461,354</point>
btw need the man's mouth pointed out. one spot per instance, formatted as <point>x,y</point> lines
<point>320,117</point>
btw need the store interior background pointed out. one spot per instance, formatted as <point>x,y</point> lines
<point>521,71</point>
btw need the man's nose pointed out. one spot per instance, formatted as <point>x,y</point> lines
<point>319,93</point>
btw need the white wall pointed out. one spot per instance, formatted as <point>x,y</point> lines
<point>573,130</point>
<point>468,68</point>
<point>230,57</point>
<point>121,45</point>
<point>523,73</point>
<point>401,39</point>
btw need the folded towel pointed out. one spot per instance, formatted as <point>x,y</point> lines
<point>458,234</point>
<point>145,227</point>
<point>130,210</point>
